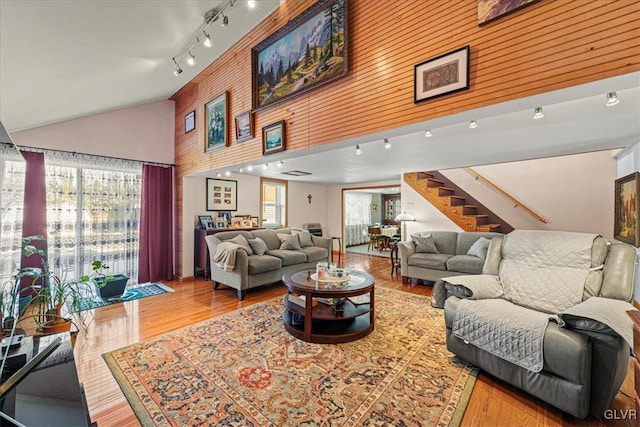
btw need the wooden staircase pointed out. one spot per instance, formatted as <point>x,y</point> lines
<point>455,203</point>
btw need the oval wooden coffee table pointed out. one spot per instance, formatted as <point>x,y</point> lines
<point>326,312</point>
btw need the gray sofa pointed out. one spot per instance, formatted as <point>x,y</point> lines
<point>256,270</point>
<point>451,259</point>
<point>585,352</point>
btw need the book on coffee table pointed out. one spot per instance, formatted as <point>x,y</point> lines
<point>360,299</point>
<point>301,300</point>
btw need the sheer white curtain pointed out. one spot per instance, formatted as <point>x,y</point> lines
<point>93,212</point>
<point>357,217</point>
<point>12,170</point>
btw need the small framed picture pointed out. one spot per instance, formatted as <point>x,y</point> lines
<point>273,138</point>
<point>626,209</point>
<point>226,215</point>
<point>441,75</point>
<point>221,223</point>
<point>246,223</point>
<point>244,126</point>
<point>206,221</point>
<point>236,222</point>
<point>255,221</point>
<point>190,122</point>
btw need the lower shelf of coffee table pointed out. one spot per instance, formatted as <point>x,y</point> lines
<point>324,331</point>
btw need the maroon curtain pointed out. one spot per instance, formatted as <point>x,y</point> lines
<point>34,214</point>
<point>156,225</point>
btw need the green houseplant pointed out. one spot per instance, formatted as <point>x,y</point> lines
<point>51,300</point>
<point>107,286</point>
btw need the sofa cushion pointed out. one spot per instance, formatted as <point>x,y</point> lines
<point>289,257</point>
<point>315,254</point>
<point>425,244</point>
<point>305,238</point>
<point>425,260</point>
<point>465,264</point>
<point>263,263</point>
<point>445,241</point>
<point>289,241</point>
<point>270,237</point>
<point>480,248</point>
<point>258,245</point>
<point>242,241</point>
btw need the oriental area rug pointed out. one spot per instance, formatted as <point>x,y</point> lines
<point>245,369</point>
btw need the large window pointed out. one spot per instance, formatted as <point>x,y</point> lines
<point>12,170</point>
<point>93,211</point>
<point>273,199</point>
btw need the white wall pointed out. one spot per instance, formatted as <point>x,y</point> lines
<point>144,132</point>
<point>574,193</point>
<point>629,162</point>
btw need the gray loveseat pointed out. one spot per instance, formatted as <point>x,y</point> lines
<point>451,258</point>
<point>577,287</point>
<point>255,270</point>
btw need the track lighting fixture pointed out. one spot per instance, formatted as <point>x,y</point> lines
<point>612,99</point>
<point>473,124</point>
<point>218,174</point>
<point>249,168</point>
<point>191,60</point>
<point>538,113</point>
<point>358,150</point>
<point>280,163</point>
<point>241,170</point>
<point>227,173</point>
<point>178,70</point>
<point>428,134</point>
<point>265,166</point>
<point>200,34</point>
<point>387,144</point>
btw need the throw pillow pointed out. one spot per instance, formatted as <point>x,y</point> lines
<point>289,241</point>
<point>425,244</point>
<point>258,245</point>
<point>304,237</point>
<point>242,241</point>
<point>480,248</point>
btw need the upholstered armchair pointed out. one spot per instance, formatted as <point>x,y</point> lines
<point>548,315</point>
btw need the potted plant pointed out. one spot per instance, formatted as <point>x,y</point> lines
<point>107,286</point>
<point>48,294</point>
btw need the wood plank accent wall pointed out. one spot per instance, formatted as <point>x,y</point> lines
<point>549,45</point>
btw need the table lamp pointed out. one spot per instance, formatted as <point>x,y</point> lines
<point>403,218</point>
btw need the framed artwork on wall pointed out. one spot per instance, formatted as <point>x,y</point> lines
<point>216,123</point>
<point>244,126</point>
<point>441,75</point>
<point>307,52</point>
<point>489,10</point>
<point>626,208</point>
<point>273,138</point>
<point>190,121</point>
<point>222,194</point>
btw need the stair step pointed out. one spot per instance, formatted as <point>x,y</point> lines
<point>445,191</point>
<point>466,209</point>
<point>488,228</point>
<point>424,175</point>
<point>456,201</point>
<point>478,219</point>
<point>432,182</point>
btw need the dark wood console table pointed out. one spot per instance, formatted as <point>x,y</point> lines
<point>201,251</point>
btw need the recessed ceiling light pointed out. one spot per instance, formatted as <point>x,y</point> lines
<point>538,113</point>
<point>612,99</point>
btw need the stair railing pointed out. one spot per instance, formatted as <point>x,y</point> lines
<point>517,203</point>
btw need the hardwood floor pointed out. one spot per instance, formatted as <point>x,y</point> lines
<point>493,403</point>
